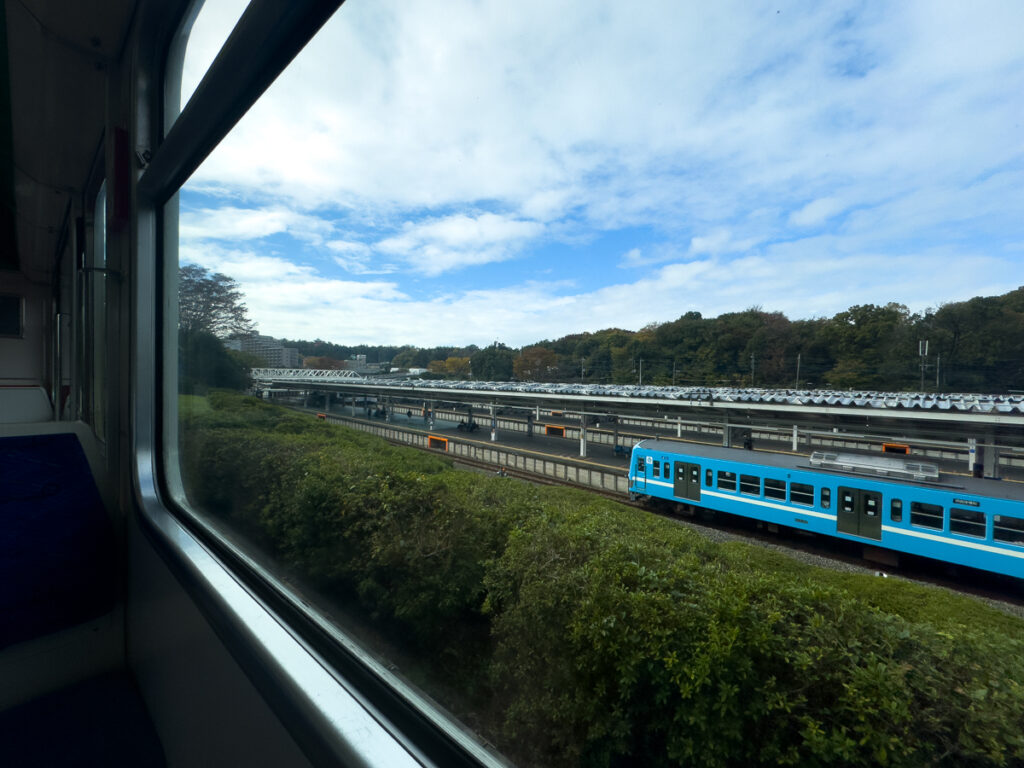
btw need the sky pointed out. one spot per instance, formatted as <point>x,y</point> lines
<point>479,171</point>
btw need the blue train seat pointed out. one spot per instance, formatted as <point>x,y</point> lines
<point>57,553</point>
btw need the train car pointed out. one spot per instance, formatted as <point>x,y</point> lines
<point>894,503</point>
<point>130,632</point>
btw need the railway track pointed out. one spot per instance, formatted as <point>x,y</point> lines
<point>1002,592</point>
<point>999,591</point>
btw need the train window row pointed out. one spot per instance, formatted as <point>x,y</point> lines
<point>750,485</point>
<point>964,522</point>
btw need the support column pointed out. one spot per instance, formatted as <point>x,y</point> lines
<point>679,427</point>
<point>430,414</point>
<point>529,424</point>
<point>494,425</point>
<point>583,434</point>
<point>991,456</point>
<point>726,436</point>
<point>796,439</point>
<point>972,454</point>
<point>615,433</point>
<point>327,405</point>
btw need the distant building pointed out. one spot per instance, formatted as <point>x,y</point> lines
<point>268,349</point>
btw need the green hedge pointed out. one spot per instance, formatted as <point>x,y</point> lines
<point>597,635</point>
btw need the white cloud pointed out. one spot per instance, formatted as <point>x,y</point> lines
<point>438,245</point>
<point>704,141</point>
<point>803,279</point>
<point>719,241</point>
<point>816,212</point>
<point>231,223</point>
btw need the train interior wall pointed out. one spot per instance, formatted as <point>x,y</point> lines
<point>105,658</point>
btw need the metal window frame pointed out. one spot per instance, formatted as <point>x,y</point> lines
<point>338,705</point>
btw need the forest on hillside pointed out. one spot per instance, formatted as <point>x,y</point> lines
<point>975,345</point>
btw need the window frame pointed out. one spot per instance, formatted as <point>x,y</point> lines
<point>967,520</point>
<point>926,510</point>
<point>745,480</point>
<point>998,525</point>
<point>726,480</point>
<point>779,489</point>
<point>896,509</point>
<point>804,491</point>
<point>339,705</point>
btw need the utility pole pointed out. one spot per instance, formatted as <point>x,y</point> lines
<point>922,350</point>
<point>751,369</point>
<point>641,381</point>
<point>797,371</point>
<point>938,364</point>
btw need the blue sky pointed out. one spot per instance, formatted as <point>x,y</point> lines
<point>482,171</point>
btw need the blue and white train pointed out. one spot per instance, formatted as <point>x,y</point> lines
<point>898,504</point>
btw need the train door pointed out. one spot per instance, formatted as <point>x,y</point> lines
<point>640,478</point>
<point>687,481</point>
<point>860,513</point>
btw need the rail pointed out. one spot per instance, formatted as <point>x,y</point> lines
<point>573,471</point>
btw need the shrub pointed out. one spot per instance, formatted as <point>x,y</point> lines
<point>607,637</point>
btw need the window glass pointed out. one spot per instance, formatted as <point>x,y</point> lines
<point>205,31</point>
<point>708,477</point>
<point>1007,528</point>
<point>94,306</point>
<point>604,195</point>
<point>969,522</point>
<point>750,484</point>
<point>847,502</point>
<point>800,493</point>
<point>775,489</point>
<point>896,510</point>
<point>926,515</point>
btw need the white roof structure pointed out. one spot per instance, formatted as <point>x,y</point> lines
<point>948,403</point>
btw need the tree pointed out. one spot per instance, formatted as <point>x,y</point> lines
<point>212,303</point>
<point>322,363</point>
<point>204,362</point>
<point>535,363</point>
<point>493,363</point>
<point>457,367</point>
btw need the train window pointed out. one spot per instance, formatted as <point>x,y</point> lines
<point>1009,529</point>
<point>775,489</point>
<point>968,522</point>
<point>409,181</point>
<point>846,500</point>
<point>799,493</point>
<point>93,298</point>
<point>708,475</point>
<point>896,510</point>
<point>926,515</point>
<point>727,481</point>
<point>203,35</point>
<point>750,485</point>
